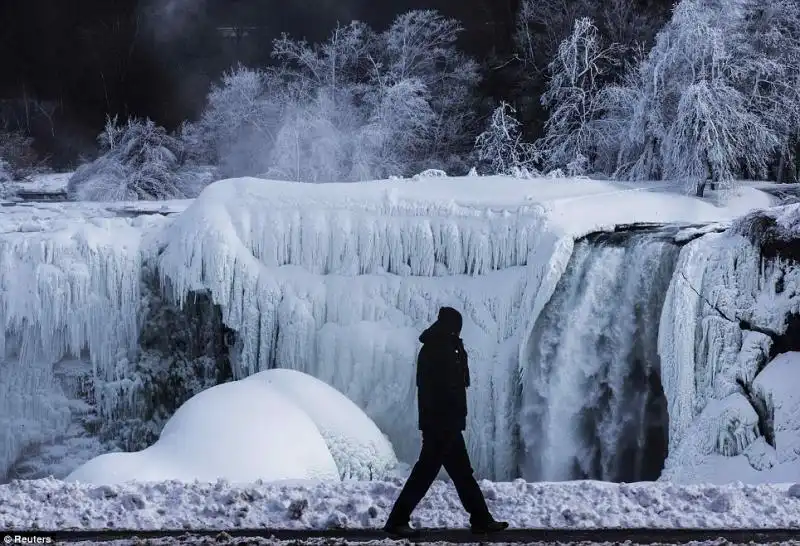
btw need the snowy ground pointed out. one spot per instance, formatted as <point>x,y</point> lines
<point>51,504</point>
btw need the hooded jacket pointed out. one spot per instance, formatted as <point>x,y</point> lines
<point>443,375</point>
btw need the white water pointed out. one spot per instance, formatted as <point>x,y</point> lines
<point>587,401</point>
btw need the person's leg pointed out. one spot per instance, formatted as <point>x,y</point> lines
<point>458,466</point>
<point>419,481</point>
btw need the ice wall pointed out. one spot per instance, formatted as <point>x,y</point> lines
<point>69,287</point>
<point>591,401</point>
<point>284,277</point>
<point>337,280</point>
<point>727,314</point>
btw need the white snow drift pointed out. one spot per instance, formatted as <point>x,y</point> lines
<point>274,425</point>
<point>52,504</point>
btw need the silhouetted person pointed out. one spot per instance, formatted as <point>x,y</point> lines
<point>442,381</point>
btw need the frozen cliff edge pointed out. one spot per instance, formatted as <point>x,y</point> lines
<point>280,259</point>
<point>730,364</point>
<point>69,285</point>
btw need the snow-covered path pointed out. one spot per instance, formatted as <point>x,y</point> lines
<point>56,505</point>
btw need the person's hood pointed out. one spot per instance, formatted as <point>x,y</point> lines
<point>448,323</point>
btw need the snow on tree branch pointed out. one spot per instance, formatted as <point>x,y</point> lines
<point>140,160</point>
<point>500,147</point>
<point>572,97</point>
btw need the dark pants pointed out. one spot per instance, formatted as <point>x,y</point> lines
<point>441,449</point>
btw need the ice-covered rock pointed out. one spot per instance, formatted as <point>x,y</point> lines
<point>732,306</point>
<point>777,385</point>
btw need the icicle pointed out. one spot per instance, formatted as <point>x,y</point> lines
<point>64,291</point>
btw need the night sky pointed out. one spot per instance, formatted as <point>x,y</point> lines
<point>156,58</point>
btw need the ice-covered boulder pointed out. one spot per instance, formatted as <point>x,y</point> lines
<point>240,431</point>
<point>360,449</point>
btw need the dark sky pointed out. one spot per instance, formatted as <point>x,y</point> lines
<point>156,57</point>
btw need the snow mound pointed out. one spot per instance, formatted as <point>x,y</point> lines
<point>240,431</point>
<point>337,280</point>
<point>360,449</point>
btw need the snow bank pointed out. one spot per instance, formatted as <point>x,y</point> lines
<point>722,299</point>
<point>239,431</point>
<point>51,504</point>
<point>281,258</point>
<point>360,449</point>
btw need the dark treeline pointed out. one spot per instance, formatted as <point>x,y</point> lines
<point>67,64</point>
<point>335,90</point>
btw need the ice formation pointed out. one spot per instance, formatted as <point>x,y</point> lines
<point>69,282</point>
<point>726,311</point>
<point>337,280</point>
<point>240,431</point>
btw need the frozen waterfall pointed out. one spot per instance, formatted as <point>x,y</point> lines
<point>338,280</point>
<point>592,405</point>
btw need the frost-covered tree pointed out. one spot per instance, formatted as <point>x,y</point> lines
<point>541,27</point>
<point>6,179</point>
<point>336,64</point>
<point>766,45</point>
<point>712,133</point>
<point>139,160</point>
<point>240,122</point>
<point>16,149</point>
<point>421,46</point>
<point>359,105</point>
<point>310,145</point>
<point>500,148</point>
<point>5,172</point>
<point>690,116</point>
<point>398,130</point>
<point>572,97</point>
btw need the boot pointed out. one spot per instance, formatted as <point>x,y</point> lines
<point>401,530</point>
<point>488,527</point>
